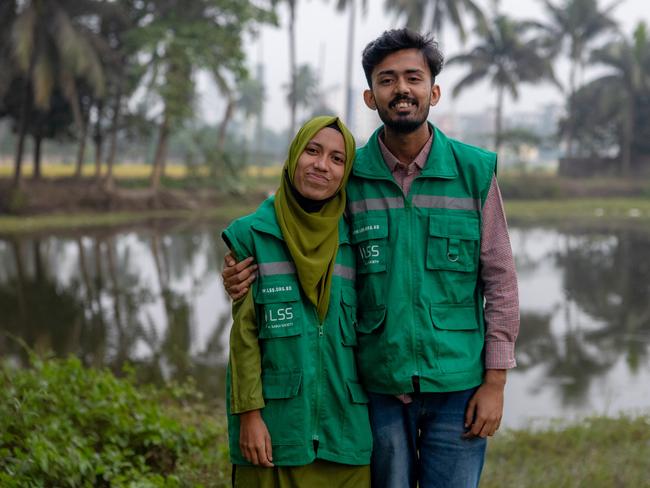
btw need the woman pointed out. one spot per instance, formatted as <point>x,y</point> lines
<point>297,415</point>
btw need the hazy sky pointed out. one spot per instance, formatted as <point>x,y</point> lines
<point>322,38</point>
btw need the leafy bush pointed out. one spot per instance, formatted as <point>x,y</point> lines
<point>65,425</point>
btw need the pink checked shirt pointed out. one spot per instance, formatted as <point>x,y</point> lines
<point>497,264</point>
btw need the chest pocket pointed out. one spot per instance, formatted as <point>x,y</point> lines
<point>453,243</point>
<point>370,235</point>
<point>279,300</point>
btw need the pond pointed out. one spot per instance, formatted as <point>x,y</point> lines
<point>152,296</point>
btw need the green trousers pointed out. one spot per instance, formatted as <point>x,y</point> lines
<point>319,474</point>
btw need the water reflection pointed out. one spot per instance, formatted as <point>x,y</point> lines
<point>585,310</point>
<point>153,297</point>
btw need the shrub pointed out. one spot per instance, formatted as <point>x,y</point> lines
<point>65,425</point>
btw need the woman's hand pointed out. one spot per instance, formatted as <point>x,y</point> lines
<point>254,439</point>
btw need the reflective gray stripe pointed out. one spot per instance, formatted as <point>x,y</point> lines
<point>433,201</point>
<point>376,204</point>
<point>345,271</point>
<point>279,267</point>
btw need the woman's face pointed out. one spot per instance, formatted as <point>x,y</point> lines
<point>321,165</point>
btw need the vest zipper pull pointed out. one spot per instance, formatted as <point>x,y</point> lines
<point>320,330</point>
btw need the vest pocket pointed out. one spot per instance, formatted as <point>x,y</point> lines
<point>284,413</point>
<point>348,316</point>
<point>279,302</point>
<point>370,234</point>
<point>356,435</point>
<point>453,242</point>
<point>370,319</point>
<point>457,337</point>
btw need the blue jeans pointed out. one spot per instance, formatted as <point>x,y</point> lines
<point>422,442</point>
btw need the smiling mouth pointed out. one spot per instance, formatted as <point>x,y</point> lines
<point>403,104</point>
<point>318,178</point>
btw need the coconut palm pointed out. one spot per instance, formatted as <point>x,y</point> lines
<point>439,12</point>
<point>351,6</point>
<point>52,47</point>
<point>573,27</point>
<point>628,81</point>
<point>506,57</point>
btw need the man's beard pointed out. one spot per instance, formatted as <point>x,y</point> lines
<point>402,126</point>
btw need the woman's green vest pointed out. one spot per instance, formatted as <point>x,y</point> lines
<point>315,405</point>
<point>420,296</point>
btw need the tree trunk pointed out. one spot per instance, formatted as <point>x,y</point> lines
<point>223,127</point>
<point>161,154</point>
<point>292,66</point>
<point>22,130</point>
<point>98,139</point>
<point>498,120</point>
<point>112,136</point>
<point>37,157</point>
<point>81,151</point>
<point>348,65</point>
<point>570,148</point>
<point>628,136</point>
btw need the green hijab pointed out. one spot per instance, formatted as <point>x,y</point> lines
<point>312,238</point>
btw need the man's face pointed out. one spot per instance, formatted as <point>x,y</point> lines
<point>402,90</point>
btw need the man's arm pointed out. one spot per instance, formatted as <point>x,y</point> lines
<point>237,277</point>
<point>485,409</point>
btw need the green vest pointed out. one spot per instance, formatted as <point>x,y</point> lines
<point>420,297</point>
<point>309,376</point>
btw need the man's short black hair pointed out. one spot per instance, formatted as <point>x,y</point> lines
<point>395,40</point>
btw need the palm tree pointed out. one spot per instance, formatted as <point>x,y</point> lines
<point>629,78</point>
<point>351,6</point>
<point>52,48</point>
<point>439,11</point>
<point>506,57</point>
<point>306,88</point>
<point>574,25</point>
<point>251,99</point>
<point>292,5</point>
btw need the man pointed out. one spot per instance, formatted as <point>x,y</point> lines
<point>438,307</point>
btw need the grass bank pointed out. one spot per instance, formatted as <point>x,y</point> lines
<point>596,453</point>
<point>37,223</point>
<point>62,424</point>
<point>585,210</point>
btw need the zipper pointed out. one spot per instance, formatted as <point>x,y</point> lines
<point>319,382</point>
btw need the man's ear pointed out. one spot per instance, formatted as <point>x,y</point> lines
<point>369,98</point>
<point>435,95</point>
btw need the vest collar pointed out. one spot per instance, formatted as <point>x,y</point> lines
<point>441,162</point>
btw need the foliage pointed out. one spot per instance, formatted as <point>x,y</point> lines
<point>506,56</point>
<point>64,425</point>
<point>596,452</point>
<point>613,110</point>
<point>440,12</point>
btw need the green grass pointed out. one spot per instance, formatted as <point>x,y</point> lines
<point>604,211</point>
<point>14,225</point>
<point>62,424</point>
<point>597,452</point>
<point>587,209</point>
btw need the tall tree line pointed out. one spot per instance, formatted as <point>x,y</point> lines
<point>84,61</point>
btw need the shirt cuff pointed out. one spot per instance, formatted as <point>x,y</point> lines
<point>500,355</point>
<point>246,405</point>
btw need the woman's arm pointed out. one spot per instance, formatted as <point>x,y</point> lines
<point>246,397</point>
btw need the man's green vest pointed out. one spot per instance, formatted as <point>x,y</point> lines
<point>420,297</point>
<point>309,376</point>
